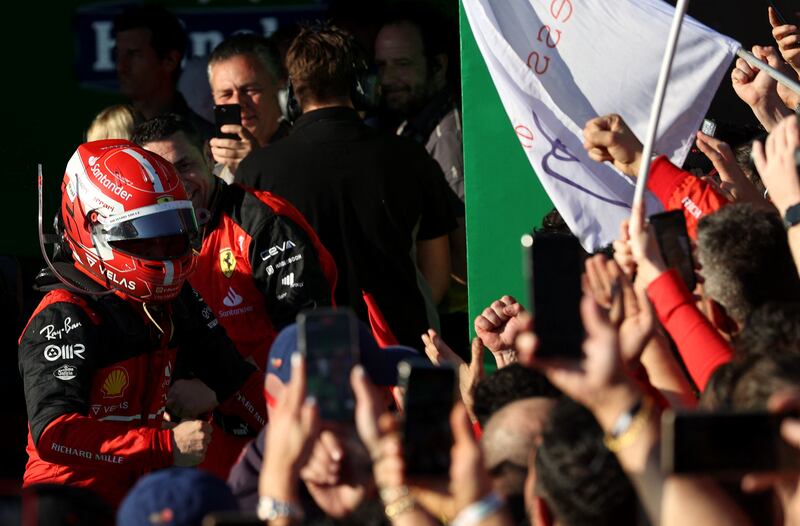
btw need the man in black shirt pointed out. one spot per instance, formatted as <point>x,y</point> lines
<point>378,202</point>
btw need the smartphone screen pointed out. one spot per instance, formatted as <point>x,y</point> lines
<point>724,443</point>
<point>429,396</point>
<point>709,127</point>
<point>673,241</point>
<point>554,264</point>
<point>227,114</point>
<point>328,339</point>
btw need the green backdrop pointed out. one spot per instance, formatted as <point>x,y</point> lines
<point>504,198</point>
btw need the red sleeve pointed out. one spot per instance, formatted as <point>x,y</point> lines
<point>678,189</point>
<point>73,439</point>
<point>699,344</point>
<point>248,402</point>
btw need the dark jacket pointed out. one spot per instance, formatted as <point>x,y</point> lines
<point>369,196</point>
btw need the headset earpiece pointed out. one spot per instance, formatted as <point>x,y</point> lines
<point>293,109</point>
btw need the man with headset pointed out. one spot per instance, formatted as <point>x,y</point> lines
<point>376,201</point>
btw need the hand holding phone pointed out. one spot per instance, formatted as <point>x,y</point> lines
<point>227,114</point>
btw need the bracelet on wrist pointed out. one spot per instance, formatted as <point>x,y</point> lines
<point>478,510</point>
<point>270,509</point>
<point>389,495</point>
<point>629,425</point>
<point>399,506</point>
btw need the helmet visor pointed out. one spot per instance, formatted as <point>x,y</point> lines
<point>166,232</point>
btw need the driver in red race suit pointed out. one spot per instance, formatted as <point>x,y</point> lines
<point>118,325</point>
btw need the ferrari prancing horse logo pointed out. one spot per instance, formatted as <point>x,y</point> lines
<point>227,262</point>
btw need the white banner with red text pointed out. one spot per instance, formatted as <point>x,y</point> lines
<point>558,63</point>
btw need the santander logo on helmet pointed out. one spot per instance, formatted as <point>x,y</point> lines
<point>127,220</point>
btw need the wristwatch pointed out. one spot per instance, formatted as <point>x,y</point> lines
<point>270,509</point>
<point>792,216</point>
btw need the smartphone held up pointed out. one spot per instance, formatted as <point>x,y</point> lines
<point>553,266</point>
<point>328,339</point>
<point>675,245</point>
<point>430,392</point>
<point>227,114</point>
<point>725,443</point>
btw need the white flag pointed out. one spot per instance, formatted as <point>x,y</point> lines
<point>558,63</point>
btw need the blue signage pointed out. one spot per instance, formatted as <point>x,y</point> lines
<point>206,27</point>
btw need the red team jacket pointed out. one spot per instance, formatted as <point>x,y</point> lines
<point>261,263</point>
<point>679,189</point>
<point>96,374</point>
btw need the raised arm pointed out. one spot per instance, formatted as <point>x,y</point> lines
<point>777,162</point>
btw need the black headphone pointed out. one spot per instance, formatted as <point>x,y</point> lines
<point>293,109</point>
<point>363,92</point>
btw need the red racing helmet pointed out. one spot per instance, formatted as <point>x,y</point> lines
<point>127,219</point>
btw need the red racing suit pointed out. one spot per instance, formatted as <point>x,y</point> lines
<point>96,372</point>
<point>261,264</point>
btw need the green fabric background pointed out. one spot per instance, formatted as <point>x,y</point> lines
<point>504,198</point>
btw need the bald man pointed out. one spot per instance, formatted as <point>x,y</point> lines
<point>509,439</point>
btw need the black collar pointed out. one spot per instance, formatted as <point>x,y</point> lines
<point>336,113</point>
<point>214,206</point>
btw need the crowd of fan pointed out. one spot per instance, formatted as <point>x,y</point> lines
<point>378,222</point>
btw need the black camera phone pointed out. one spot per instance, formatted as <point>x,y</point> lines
<point>725,443</point>
<point>328,339</point>
<point>553,266</point>
<point>675,245</point>
<point>428,401</point>
<point>227,114</point>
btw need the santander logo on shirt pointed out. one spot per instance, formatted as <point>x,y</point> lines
<point>232,299</point>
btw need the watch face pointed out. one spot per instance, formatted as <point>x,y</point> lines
<point>792,215</point>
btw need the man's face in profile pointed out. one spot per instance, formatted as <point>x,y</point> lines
<point>403,69</point>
